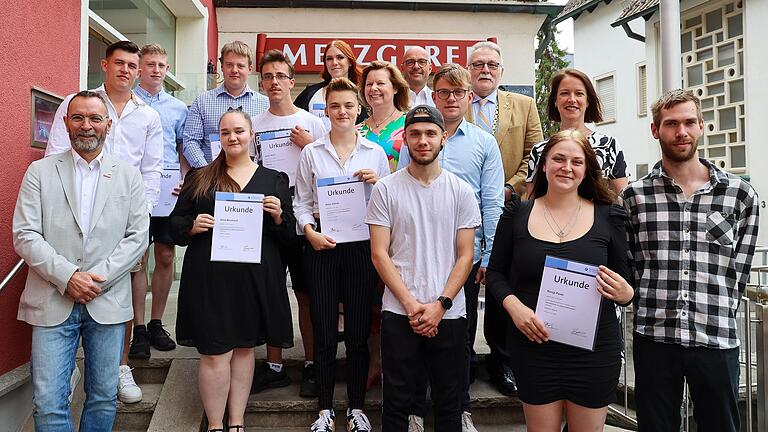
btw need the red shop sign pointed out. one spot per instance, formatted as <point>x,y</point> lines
<point>306,54</point>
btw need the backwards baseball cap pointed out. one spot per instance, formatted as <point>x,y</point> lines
<point>424,114</point>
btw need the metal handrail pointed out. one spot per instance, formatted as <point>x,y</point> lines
<point>11,274</point>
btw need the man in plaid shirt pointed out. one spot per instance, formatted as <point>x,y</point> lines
<point>692,234</point>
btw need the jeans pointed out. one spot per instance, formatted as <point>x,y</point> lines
<point>52,363</point>
<point>713,380</point>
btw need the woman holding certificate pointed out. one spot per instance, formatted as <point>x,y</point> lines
<point>570,220</point>
<point>227,308</point>
<point>337,167</point>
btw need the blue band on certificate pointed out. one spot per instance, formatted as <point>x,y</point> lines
<point>572,266</point>
<point>239,197</point>
<point>171,166</point>
<point>213,137</point>
<point>318,106</point>
<point>280,133</point>
<point>330,181</point>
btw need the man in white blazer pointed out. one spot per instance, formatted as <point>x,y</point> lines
<point>80,224</point>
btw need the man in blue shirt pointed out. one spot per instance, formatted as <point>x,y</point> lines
<point>473,155</point>
<point>203,119</point>
<point>153,68</point>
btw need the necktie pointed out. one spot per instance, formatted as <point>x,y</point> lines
<point>485,122</point>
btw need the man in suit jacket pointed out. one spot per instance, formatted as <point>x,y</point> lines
<point>510,117</point>
<point>80,223</point>
<point>514,121</point>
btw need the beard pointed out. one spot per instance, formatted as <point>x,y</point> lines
<point>423,160</point>
<point>87,144</point>
<point>671,153</point>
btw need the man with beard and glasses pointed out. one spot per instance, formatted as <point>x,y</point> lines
<point>416,68</point>
<point>80,223</point>
<point>136,137</point>
<point>692,234</point>
<point>413,213</point>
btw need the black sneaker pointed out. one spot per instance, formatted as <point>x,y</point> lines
<point>140,343</point>
<point>308,388</point>
<point>158,337</point>
<point>266,377</point>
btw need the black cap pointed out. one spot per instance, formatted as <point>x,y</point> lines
<point>426,114</point>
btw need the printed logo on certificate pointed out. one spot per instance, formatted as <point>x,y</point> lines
<point>276,151</point>
<point>237,230</point>
<point>169,179</point>
<point>215,145</point>
<point>569,303</point>
<point>342,202</point>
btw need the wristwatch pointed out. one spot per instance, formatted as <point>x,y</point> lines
<point>445,301</point>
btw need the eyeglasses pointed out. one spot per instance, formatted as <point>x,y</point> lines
<point>445,94</point>
<point>280,77</point>
<point>93,119</point>
<point>481,65</point>
<point>412,62</point>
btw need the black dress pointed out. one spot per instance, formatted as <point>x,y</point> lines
<point>553,371</point>
<point>225,305</point>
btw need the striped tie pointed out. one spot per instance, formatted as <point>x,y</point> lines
<point>485,122</point>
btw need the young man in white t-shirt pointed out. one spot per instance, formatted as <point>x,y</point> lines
<point>422,221</point>
<point>281,118</point>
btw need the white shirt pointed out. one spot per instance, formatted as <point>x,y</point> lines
<point>422,220</point>
<point>319,160</point>
<point>136,137</point>
<point>267,121</point>
<point>86,180</point>
<point>424,97</point>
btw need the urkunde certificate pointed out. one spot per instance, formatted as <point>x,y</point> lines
<point>238,227</point>
<point>569,303</point>
<point>215,141</point>
<point>279,153</point>
<point>169,179</point>
<point>342,202</point>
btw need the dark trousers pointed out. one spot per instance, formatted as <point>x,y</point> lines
<point>404,356</point>
<point>713,380</point>
<point>471,291</point>
<point>496,328</point>
<point>344,275</point>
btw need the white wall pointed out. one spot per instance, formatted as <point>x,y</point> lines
<point>601,49</point>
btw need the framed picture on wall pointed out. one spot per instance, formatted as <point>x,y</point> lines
<point>44,106</point>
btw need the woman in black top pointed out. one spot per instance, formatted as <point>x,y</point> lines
<point>226,308</point>
<point>570,216</point>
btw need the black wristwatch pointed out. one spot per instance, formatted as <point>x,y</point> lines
<point>446,302</point>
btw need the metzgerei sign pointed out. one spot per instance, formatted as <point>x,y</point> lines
<point>306,54</point>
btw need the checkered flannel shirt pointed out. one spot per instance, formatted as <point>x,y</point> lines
<point>691,257</point>
<point>203,119</point>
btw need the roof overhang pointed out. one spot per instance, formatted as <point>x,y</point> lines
<point>586,7</point>
<point>646,14</point>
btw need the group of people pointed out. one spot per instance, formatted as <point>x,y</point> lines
<point>465,191</point>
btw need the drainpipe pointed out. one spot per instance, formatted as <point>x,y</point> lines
<point>671,69</point>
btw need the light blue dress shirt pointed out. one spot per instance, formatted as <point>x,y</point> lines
<point>473,155</point>
<point>173,113</point>
<point>203,119</point>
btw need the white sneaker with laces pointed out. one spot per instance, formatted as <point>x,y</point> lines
<point>466,422</point>
<point>324,423</point>
<point>127,390</point>
<point>415,423</point>
<point>357,421</point>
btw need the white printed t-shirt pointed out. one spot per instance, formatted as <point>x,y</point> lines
<point>423,221</point>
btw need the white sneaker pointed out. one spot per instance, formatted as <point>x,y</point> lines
<point>415,423</point>
<point>73,381</point>
<point>324,423</point>
<point>357,421</point>
<point>466,422</point>
<point>127,390</point>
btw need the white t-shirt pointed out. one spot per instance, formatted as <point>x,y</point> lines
<point>423,221</point>
<point>317,108</point>
<point>267,121</point>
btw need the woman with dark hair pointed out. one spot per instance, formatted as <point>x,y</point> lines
<point>338,272</point>
<point>226,308</point>
<point>573,102</point>
<point>384,92</point>
<point>338,61</point>
<point>569,216</point>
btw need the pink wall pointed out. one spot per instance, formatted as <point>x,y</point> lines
<point>40,43</point>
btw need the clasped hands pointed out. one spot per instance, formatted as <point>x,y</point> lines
<point>424,318</point>
<point>83,287</point>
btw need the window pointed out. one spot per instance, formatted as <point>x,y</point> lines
<point>642,91</point>
<point>713,68</point>
<point>606,91</point>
